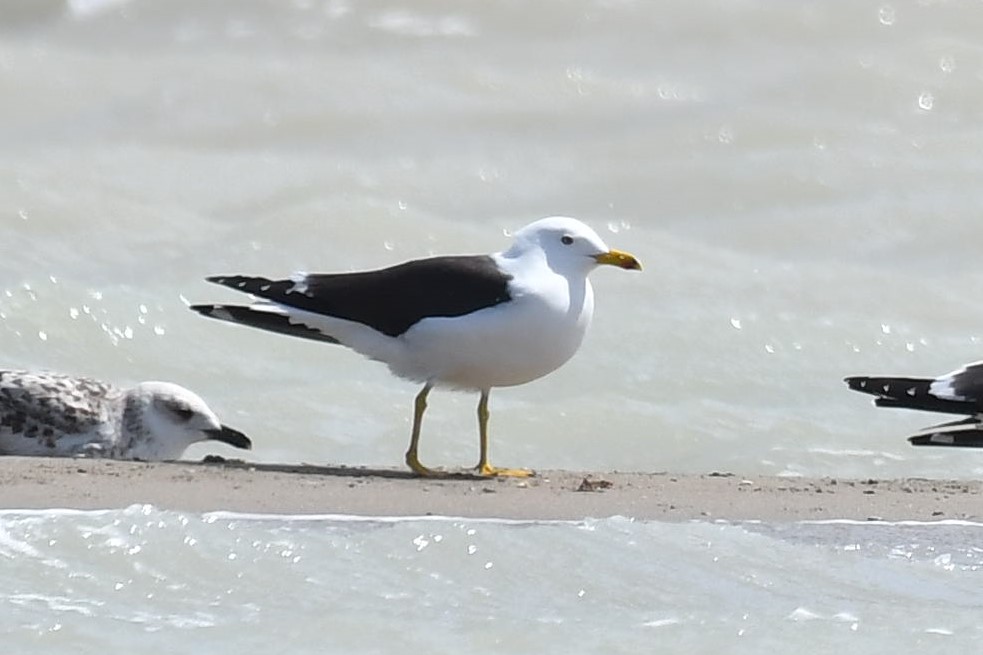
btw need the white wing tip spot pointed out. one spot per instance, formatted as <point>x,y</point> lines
<point>300,284</point>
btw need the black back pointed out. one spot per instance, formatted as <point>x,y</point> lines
<point>390,300</point>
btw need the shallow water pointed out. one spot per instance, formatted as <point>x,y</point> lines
<point>800,181</point>
<point>87,581</point>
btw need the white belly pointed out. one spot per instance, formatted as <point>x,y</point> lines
<point>512,343</point>
<point>60,445</point>
<point>509,344</point>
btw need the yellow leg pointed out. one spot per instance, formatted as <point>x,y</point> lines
<point>484,468</point>
<point>412,458</point>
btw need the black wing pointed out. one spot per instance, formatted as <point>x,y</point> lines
<point>264,320</point>
<point>389,300</point>
<point>954,438</point>
<point>955,393</point>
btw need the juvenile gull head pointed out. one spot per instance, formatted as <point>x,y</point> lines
<point>46,414</point>
<point>161,419</point>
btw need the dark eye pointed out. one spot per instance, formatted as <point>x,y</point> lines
<point>182,413</point>
<point>566,239</point>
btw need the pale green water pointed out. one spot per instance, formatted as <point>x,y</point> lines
<point>153,581</point>
<point>800,215</point>
<point>801,181</point>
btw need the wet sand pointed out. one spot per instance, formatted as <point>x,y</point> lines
<point>35,483</point>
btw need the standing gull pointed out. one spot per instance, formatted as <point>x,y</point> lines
<point>45,414</point>
<point>958,392</point>
<point>469,322</point>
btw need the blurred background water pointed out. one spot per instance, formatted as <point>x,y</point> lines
<point>801,181</point>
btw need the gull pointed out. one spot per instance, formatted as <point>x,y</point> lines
<point>465,322</point>
<point>47,414</point>
<point>958,392</point>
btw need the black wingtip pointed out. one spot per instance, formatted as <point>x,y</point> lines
<point>263,320</point>
<point>856,382</point>
<point>972,438</point>
<point>926,440</point>
<point>204,310</point>
<point>236,282</point>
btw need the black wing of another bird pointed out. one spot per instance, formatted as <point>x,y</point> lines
<point>959,392</point>
<point>951,436</point>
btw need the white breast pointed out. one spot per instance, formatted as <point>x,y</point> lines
<point>508,344</point>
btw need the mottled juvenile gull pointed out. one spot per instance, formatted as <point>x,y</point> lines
<point>61,416</point>
<point>958,392</point>
<point>469,322</point>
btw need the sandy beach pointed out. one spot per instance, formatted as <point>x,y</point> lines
<point>35,483</point>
